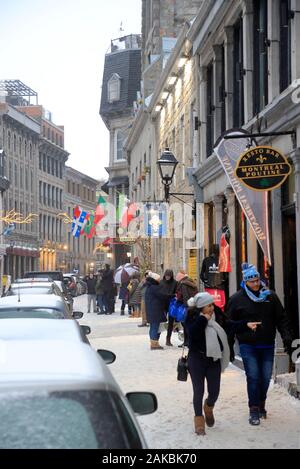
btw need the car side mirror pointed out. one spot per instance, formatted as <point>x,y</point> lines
<point>77,314</point>
<point>142,403</point>
<point>86,329</point>
<point>107,356</point>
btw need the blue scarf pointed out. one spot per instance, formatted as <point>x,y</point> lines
<point>263,293</point>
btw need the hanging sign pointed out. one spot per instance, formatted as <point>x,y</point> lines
<point>254,204</point>
<point>262,168</point>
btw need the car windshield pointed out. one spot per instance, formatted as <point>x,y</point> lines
<point>43,313</point>
<point>66,420</point>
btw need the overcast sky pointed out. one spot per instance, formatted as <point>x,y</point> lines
<point>57,48</point>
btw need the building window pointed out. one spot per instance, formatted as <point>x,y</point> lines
<point>260,55</point>
<point>16,175</point>
<point>20,146</point>
<point>119,140</point>
<point>210,110</point>
<point>8,140</point>
<point>15,144</point>
<point>26,179</point>
<point>285,44</point>
<point>238,75</point>
<point>30,151</point>
<point>114,88</point>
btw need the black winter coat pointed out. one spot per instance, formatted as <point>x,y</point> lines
<point>169,287</point>
<point>91,285</point>
<point>196,325</point>
<point>155,301</point>
<point>108,280</point>
<point>270,313</point>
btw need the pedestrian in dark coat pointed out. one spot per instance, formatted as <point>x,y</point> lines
<point>186,289</point>
<point>135,295</point>
<point>169,286</point>
<point>262,313</point>
<point>209,355</point>
<point>155,300</point>
<point>99,294</point>
<point>109,289</point>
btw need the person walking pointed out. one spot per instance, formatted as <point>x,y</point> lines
<point>155,301</point>
<point>262,313</point>
<point>209,355</point>
<point>186,289</point>
<point>169,286</point>
<point>135,296</point>
<point>91,281</point>
<point>143,287</point>
<point>100,294</point>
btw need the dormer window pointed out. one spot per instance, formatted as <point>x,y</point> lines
<point>114,88</point>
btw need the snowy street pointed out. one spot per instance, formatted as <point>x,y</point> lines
<point>171,427</point>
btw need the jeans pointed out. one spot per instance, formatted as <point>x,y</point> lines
<point>258,365</point>
<point>92,298</point>
<point>153,331</point>
<point>100,303</point>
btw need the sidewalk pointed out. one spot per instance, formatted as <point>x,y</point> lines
<point>137,368</point>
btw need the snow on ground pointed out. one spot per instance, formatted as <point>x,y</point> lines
<point>137,368</point>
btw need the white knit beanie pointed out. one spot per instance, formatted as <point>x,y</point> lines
<point>154,276</point>
<point>200,300</point>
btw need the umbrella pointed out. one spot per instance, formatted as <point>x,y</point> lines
<point>124,272</point>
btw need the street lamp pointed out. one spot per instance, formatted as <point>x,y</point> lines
<point>167,165</point>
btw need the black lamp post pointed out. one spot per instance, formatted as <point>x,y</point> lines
<point>167,165</point>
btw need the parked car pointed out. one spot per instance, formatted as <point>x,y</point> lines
<point>81,287</point>
<point>58,394</point>
<point>54,274</point>
<point>71,284</point>
<point>33,288</point>
<point>36,306</point>
<point>37,328</point>
<point>66,294</point>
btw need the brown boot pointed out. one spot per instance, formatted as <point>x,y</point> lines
<point>168,342</point>
<point>209,416</point>
<point>155,345</point>
<point>199,425</point>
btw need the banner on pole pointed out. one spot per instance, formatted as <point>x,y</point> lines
<point>253,203</point>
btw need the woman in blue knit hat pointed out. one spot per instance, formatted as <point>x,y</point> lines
<point>259,313</point>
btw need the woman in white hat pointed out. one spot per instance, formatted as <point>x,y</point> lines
<point>209,355</point>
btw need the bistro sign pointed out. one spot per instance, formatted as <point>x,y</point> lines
<point>263,168</point>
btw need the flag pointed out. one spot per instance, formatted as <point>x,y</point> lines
<point>90,228</point>
<point>100,210</point>
<point>126,211</point>
<point>79,221</point>
<point>155,216</point>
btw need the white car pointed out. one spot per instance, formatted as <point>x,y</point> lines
<point>33,288</point>
<point>59,394</point>
<point>36,306</point>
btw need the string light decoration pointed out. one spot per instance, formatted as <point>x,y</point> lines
<point>65,218</point>
<point>18,218</point>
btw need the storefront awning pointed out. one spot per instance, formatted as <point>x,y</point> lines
<point>118,181</point>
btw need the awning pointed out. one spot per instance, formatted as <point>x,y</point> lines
<point>118,181</point>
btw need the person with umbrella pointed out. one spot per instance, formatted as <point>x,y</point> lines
<point>122,277</point>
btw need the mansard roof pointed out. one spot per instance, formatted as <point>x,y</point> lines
<point>127,65</point>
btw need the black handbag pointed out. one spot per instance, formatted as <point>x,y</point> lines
<point>182,367</point>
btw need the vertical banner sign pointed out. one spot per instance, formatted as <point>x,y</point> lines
<point>253,203</point>
<point>155,216</point>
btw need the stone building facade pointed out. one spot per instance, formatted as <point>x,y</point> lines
<point>51,187</point>
<point>80,189</point>
<point>19,136</point>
